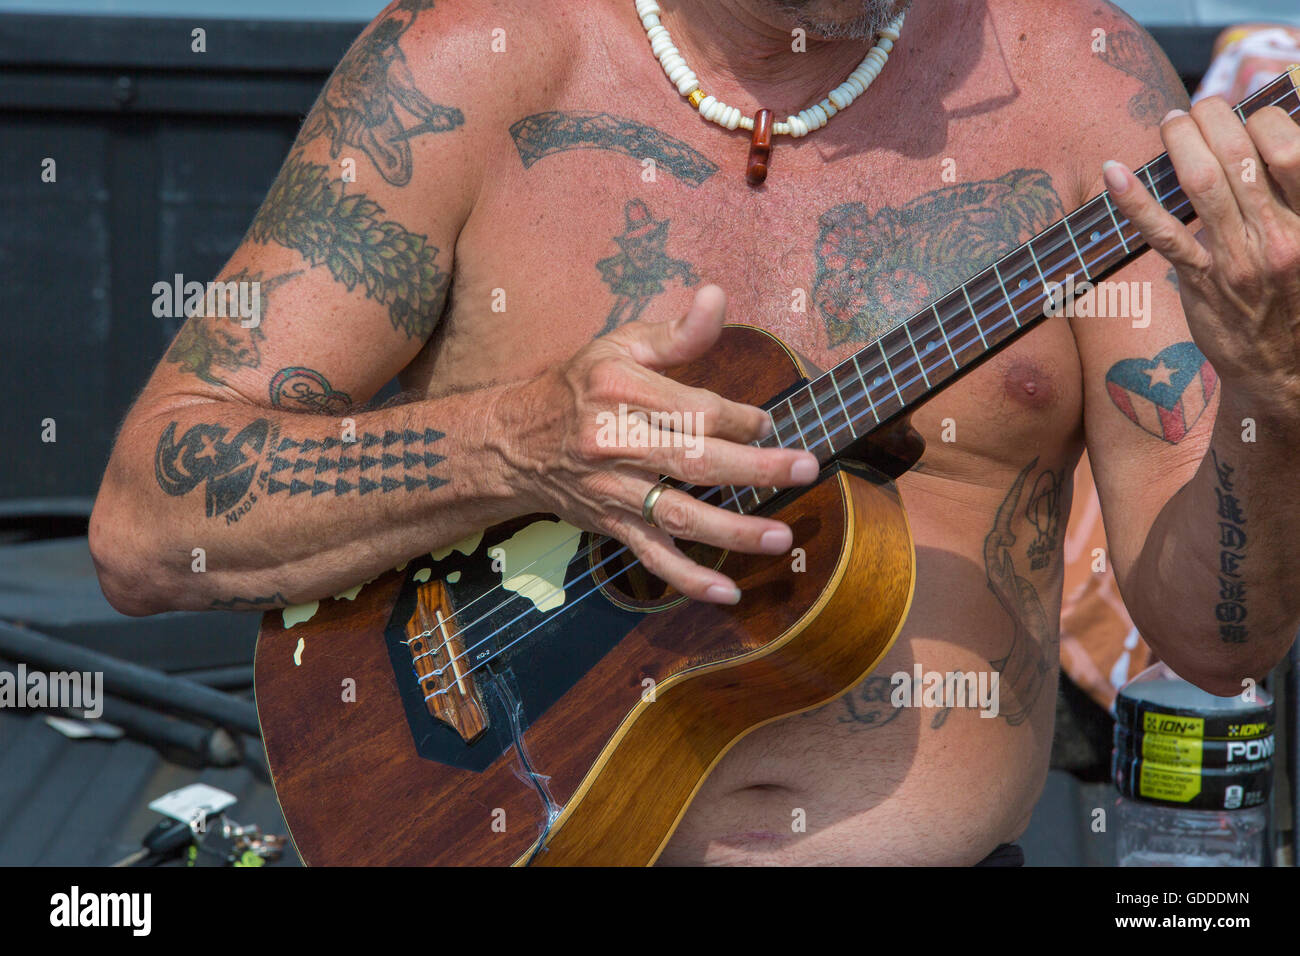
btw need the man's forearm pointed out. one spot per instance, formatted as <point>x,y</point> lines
<point>1216,588</point>
<point>221,504</point>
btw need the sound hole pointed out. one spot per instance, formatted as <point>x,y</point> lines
<point>626,582</point>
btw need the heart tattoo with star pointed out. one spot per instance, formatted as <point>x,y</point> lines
<point>1164,396</point>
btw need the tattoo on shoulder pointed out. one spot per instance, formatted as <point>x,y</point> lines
<point>359,106</point>
<point>307,390</point>
<point>876,269</point>
<point>1027,665</point>
<point>258,462</point>
<point>308,212</point>
<point>638,271</point>
<point>542,134</point>
<point>250,603</point>
<point>1164,396</point>
<point>1230,612</point>
<point>207,344</point>
<point>1135,53</point>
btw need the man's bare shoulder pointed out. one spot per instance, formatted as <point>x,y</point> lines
<point>501,54</point>
<point>1098,79</point>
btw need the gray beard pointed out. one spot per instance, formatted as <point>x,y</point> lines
<point>874,17</point>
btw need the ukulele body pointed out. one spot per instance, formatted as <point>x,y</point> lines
<point>582,706</point>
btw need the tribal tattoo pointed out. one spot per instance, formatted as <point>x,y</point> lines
<point>207,343</point>
<point>258,460</point>
<point>1231,609</point>
<point>873,271</point>
<point>1135,53</point>
<point>307,390</point>
<point>637,273</point>
<point>307,212</point>
<point>358,107</point>
<point>1026,667</point>
<point>542,134</point>
<point>1165,396</point>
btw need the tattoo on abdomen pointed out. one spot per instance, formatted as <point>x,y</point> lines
<point>870,704</point>
<point>206,343</point>
<point>1164,396</point>
<point>307,390</point>
<point>638,271</point>
<point>358,107</point>
<point>1026,667</point>
<point>542,134</point>
<point>308,212</point>
<point>1231,609</point>
<point>874,270</point>
<point>258,461</point>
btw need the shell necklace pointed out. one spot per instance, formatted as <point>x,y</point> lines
<point>760,125</point>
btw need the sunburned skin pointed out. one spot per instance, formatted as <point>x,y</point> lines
<point>598,198</point>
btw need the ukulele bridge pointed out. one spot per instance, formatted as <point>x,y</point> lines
<point>444,672</point>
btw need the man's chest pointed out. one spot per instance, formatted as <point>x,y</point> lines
<point>599,220</point>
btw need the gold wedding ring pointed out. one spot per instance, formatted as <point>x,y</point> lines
<point>648,506</point>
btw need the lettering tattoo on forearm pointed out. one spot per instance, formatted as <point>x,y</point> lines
<point>1167,395</point>
<point>542,134</point>
<point>208,343</point>
<point>359,105</point>
<point>258,461</point>
<point>1230,612</point>
<point>874,270</point>
<point>1136,54</point>
<point>638,271</point>
<point>1026,667</point>
<point>308,212</point>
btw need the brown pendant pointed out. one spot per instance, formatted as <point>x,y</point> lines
<point>760,148</point>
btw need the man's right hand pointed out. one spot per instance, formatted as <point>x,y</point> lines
<point>550,431</point>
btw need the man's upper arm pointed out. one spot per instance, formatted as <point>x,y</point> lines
<point>349,259</point>
<point>1150,397</point>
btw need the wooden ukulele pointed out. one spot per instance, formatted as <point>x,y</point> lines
<point>531,696</point>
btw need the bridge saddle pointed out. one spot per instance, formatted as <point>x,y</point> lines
<point>450,690</point>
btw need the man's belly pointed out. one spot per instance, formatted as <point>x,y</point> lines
<point>876,778</point>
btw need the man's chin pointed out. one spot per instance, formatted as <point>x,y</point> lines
<point>841,20</point>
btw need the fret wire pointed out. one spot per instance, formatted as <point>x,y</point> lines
<point>1155,190</point>
<point>919,363</point>
<point>1079,255</point>
<point>901,400</point>
<point>974,317</point>
<point>1001,285</point>
<point>1042,278</point>
<point>798,425</point>
<point>1118,231</point>
<point>843,407</point>
<point>816,405</point>
<point>866,390</point>
<point>934,306</point>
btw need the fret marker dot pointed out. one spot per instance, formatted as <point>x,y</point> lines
<point>1024,283</point>
<point>929,347</point>
<point>1096,235</point>
<point>877,380</point>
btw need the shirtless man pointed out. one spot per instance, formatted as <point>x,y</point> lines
<point>534,269</point>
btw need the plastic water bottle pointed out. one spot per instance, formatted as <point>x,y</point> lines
<point>1193,771</point>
